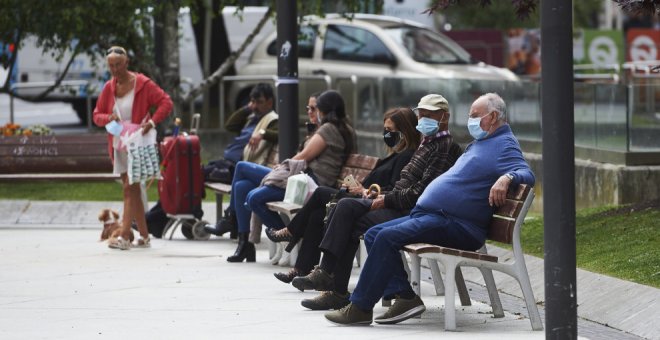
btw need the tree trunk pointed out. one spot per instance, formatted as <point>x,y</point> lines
<point>220,51</point>
<point>171,77</point>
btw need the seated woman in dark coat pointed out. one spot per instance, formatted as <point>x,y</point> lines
<point>402,139</point>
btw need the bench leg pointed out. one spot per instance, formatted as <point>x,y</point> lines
<point>363,253</point>
<point>405,263</point>
<point>294,254</point>
<point>526,287</point>
<point>275,250</point>
<point>285,259</point>
<point>415,274</point>
<point>462,289</point>
<point>436,276</point>
<point>494,296</point>
<point>450,303</point>
<point>218,206</point>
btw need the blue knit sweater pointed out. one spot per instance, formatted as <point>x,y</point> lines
<point>462,192</point>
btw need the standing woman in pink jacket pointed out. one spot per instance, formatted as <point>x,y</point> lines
<point>129,97</point>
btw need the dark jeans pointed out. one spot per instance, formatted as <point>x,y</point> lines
<point>383,273</point>
<point>247,196</point>
<point>351,218</point>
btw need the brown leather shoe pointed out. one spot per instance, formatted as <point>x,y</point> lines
<point>318,279</point>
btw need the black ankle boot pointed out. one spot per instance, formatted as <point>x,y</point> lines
<point>226,224</point>
<point>244,251</point>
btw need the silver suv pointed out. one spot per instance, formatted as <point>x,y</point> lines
<point>372,47</point>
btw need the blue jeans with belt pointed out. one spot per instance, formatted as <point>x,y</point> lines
<point>383,273</point>
<point>248,196</point>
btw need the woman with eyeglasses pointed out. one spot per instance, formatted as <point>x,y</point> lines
<point>322,157</point>
<point>401,140</point>
<point>129,97</point>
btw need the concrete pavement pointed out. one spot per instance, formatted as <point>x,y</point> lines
<point>58,282</point>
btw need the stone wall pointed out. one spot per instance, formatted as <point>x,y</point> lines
<point>598,184</point>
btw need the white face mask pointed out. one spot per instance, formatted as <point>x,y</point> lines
<point>114,128</point>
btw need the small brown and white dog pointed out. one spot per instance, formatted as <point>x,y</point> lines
<point>111,225</point>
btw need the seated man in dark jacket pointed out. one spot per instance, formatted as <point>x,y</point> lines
<point>256,125</point>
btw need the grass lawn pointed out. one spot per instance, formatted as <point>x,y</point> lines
<point>74,191</point>
<point>622,242</point>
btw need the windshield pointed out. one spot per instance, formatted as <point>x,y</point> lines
<point>428,47</point>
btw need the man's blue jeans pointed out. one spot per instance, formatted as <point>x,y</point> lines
<point>383,273</point>
<point>248,196</point>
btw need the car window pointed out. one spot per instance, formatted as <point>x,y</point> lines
<point>306,38</point>
<point>429,47</point>
<point>354,44</point>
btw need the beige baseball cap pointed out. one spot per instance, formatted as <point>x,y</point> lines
<point>433,102</point>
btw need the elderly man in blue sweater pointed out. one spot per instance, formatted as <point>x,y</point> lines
<point>453,211</point>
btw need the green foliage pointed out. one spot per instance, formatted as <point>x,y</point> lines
<point>505,14</point>
<point>611,241</point>
<point>88,26</point>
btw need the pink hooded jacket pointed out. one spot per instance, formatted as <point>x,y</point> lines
<point>147,95</point>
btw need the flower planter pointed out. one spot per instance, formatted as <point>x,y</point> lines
<point>54,154</point>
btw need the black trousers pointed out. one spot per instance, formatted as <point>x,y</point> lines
<point>350,219</point>
<point>308,225</point>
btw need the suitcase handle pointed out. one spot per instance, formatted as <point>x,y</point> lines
<point>194,123</point>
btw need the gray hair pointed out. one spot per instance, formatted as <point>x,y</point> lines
<point>495,103</point>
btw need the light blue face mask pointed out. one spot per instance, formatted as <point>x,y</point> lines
<point>427,126</point>
<point>114,128</point>
<point>474,126</point>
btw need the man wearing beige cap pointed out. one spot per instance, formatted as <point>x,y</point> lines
<point>353,216</point>
<point>453,211</point>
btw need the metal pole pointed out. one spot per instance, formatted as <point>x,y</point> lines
<point>558,169</point>
<point>287,73</point>
<point>11,107</point>
<point>206,58</point>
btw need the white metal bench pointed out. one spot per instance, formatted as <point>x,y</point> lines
<point>505,227</point>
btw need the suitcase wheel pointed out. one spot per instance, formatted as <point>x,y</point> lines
<point>187,229</point>
<point>198,231</point>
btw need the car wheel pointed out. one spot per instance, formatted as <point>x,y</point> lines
<point>186,229</point>
<point>198,231</point>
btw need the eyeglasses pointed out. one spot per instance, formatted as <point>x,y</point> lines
<point>115,50</point>
<point>312,108</point>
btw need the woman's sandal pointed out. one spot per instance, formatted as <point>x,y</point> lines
<point>143,243</point>
<point>119,243</point>
<point>282,235</point>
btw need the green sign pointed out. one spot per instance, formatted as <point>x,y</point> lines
<point>599,47</point>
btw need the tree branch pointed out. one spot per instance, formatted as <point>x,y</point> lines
<point>59,79</point>
<point>217,75</point>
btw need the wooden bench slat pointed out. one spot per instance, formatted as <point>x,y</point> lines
<point>284,207</point>
<point>501,230</point>
<point>511,208</point>
<point>218,187</point>
<point>425,248</point>
<point>520,193</point>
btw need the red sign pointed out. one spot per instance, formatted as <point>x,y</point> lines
<point>643,45</point>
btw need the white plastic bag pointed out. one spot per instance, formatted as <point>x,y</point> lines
<point>299,188</point>
<point>142,155</point>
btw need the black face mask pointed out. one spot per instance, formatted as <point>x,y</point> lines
<point>311,127</point>
<point>391,138</point>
